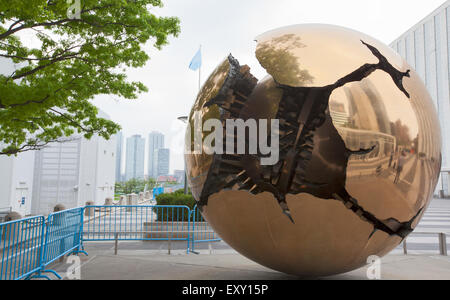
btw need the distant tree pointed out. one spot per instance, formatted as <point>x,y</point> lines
<point>401,131</point>
<point>151,183</point>
<point>118,188</point>
<point>80,49</point>
<point>132,186</point>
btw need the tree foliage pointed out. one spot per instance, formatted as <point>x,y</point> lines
<point>66,61</point>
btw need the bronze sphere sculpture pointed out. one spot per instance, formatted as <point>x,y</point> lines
<point>358,151</point>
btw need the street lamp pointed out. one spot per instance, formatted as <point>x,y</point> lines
<point>184,119</point>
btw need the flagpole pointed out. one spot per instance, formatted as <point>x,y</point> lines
<point>186,190</point>
<point>199,72</point>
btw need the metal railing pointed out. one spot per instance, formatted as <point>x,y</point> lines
<point>137,223</point>
<point>62,236</point>
<point>21,247</point>
<point>442,237</point>
<point>201,230</point>
<point>29,246</point>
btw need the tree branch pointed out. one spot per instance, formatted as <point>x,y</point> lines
<point>14,24</point>
<point>58,22</point>
<point>72,121</point>
<point>33,145</point>
<point>45,58</point>
<point>61,58</point>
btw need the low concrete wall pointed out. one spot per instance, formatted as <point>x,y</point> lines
<point>180,229</point>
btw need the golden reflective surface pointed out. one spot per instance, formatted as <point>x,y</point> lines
<point>199,163</point>
<point>315,54</point>
<point>394,182</point>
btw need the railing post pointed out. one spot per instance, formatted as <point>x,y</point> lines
<point>405,248</point>
<point>45,242</point>
<point>443,243</point>
<point>116,242</point>
<point>194,217</point>
<point>61,250</point>
<point>189,229</point>
<point>170,241</point>
<point>83,209</point>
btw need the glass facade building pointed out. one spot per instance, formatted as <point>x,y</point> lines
<point>134,164</point>
<point>426,48</point>
<point>155,142</point>
<point>119,146</point>
<point>162,161</point>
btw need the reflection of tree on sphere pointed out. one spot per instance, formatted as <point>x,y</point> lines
<point>276,57</point>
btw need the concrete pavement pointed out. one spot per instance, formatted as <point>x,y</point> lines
<point>225,264</point>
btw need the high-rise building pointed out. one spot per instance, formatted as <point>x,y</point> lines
<point>119,139</point>
<point>155,142</point>
<point>135,154</point>
<point>426,47</point>
<point>161,159</point>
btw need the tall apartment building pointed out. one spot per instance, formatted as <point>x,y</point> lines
<point>135,154</point>
<point>155,142</point>
<point>426,47</point>
<point>162,160</point>
<point>119,146</point>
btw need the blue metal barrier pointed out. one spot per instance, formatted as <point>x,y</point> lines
<point>201,231</point>
<point>158,191</point>
<point>137,223</point>
<point>21,247</point>
<point>63,236</point>
<point>28,246</point>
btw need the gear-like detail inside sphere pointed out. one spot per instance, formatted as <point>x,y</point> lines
<point>303,112</point>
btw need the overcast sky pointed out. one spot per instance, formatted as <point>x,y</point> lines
<point>230,26</point>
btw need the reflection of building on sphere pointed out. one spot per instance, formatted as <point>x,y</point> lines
<point>347,107</point>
